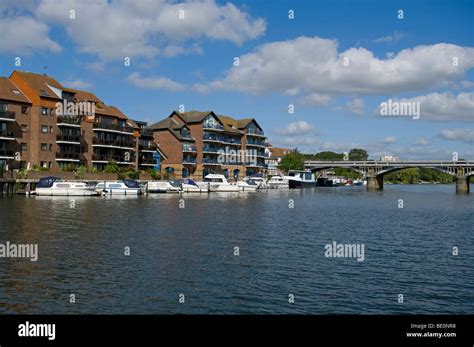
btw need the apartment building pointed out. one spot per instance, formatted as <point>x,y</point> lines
<point>14,122</point>
<point>198,143</point>
<point>54,126</point>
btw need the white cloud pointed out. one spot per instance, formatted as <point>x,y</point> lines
<point>444,106</point>
<point>78,84</point>
<point>356,106</point>
<point>161,83</point>
<point>314,65</point>
<point>390,139</point>
<point>128,28</point>
<point>394,37</point>
<point>296,128</point>
<point>422,142</point>
<point>316,99</point>
<point>24,35</point>
<point>461,135</point>
<point>174,50</point>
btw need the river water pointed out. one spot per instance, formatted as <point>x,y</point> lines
<point>244,253</point>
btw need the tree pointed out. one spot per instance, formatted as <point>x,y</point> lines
<point>292,161</point>
<point>358,154</point>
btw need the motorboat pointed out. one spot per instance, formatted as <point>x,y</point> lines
<point>248,185</point>
<point>359,182</point>
<point>262,182</point>
<point>172,186</point>
<point>189,186</point>
<point>122,187</point>
<point>218,183</point>
<point>278,182</point>
<point>54,186</point>
<point>301,179</point>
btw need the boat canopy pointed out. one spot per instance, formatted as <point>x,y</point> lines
<point>131,183</point>
<point>47,182</point>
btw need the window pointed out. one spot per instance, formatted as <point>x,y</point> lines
<point>24,109</point>
<point>44,129</point>
<point>50,147</point>
<point>16,92</point>
<point>44,146</point>
<point>24,146</point>
<point>3,107</point>
<point>24,128</point>
<point>44,111</point>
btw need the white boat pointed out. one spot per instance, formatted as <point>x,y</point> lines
<point>163,187</point>
<point>189,186</point>
<point>302,179</point>
<point>278,182</point>
<point>359,182</point>
<point>217,183</point>
<point>123,187</point>
<point>248,185</point>
<point>262,182</point>
<point>54,186</point>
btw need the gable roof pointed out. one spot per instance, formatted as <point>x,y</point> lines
<point>173,126</point>
<point>40,84</point>
<point>6,91</point>
<point>193,116</point>
<point>278,152</point>
<point>230,125</point>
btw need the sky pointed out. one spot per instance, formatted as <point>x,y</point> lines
<point>312,73</point>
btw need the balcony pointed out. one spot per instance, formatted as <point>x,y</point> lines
<point>8,116</point>
<point>72,121</point>
<point>123,129</point>
<point>147,161</point>
<point>189,148</point>
<point>98,142</point>
<point>189,161</point>
<point>212,127</point>
<point>255,132</point>
<point>7,154</point>
<point>212,138</point>
<point>7,135</point>
<point>147,146</point>
<point>251,142</point>
<point>209,149</point>
<point>68,156</point>
<point>69,139</point>
<point>146,133</point>
<point>210,161</point>
<point>105,158</point>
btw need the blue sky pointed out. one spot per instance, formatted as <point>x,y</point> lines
<point>189,61</point>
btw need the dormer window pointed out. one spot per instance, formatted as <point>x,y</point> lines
<point>184,132</point>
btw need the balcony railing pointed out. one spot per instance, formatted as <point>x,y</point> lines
<point>211,137</point>
<point>232,141</point>
<point>255,143</point>
<point>71,120</point>
<point>107,158</point>
<point>255,132</point>
<point>68,138</point>
<point>68,155</point>
<point>7,153</point>
<point>146,133</point>
<point>4,133</point>
<point>189,148</point>
<point>210,161</point>
<point>114,143</point>
<point>114,127</point>
<point>147,146</point>
<point>212,126</point>
<point>189,160</point>
<point>211,149</point>
<point>148,161</point>
<point>7,115</point>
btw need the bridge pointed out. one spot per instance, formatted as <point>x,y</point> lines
<point>374,171</point>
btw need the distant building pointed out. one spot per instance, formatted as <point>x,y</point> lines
<point>389,158</point>
<point>273,159</point>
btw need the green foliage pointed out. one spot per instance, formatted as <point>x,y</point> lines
<point>326,155</point>
<point>292,161</point>
<point>358,154</point>
<point>80,171</point>
<point>69,168</point>
<point>154,174</point>
<point>415,175</point>
<point>22,174</point>
<point>112,167</point>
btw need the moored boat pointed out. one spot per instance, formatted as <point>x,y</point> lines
<point>248,185</point>
<point>277,182</point>
<point>54,186</point>
<point>218,183</point>
<point>123,187</point>
<point>172,186</point>
<point>301,179</point>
